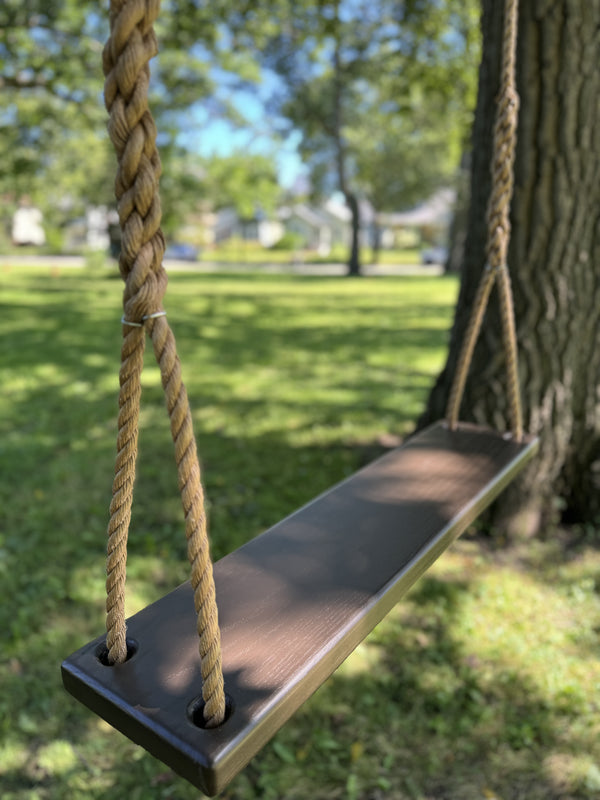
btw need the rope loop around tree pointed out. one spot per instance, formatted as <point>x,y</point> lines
<point>126,57</point>
<point>498,237</point>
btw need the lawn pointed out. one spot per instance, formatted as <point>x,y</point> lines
<point>483,683</point>
<point>250,252</point>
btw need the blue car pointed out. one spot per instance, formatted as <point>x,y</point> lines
<point>182,252</point>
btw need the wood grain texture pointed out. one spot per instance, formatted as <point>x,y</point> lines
<point>295,601</point>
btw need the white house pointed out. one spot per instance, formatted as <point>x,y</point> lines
<point>27,226</point>
<point>432,217</point>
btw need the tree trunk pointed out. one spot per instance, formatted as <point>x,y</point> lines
<point>375,242</point>
<point>458,227</point>
<point>354,257</point>
<point>554,260</point>
<point>340,154</point>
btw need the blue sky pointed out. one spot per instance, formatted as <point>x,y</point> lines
<point>221,138</point>
<point>210,136</point>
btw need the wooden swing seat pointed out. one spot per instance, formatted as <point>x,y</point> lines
<point>294,602</point>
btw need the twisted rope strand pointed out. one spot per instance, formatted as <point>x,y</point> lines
<point>132,355</point>
<point>468,347</point>
<point>125,100</point>
<point>126,57</point>
<point>498,219</point>
<point>509,342</point>
<point>192,498</point>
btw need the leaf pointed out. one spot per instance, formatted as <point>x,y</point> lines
<point>284,753</point>
<point>352,787</point>
<point>592,779</point>
<point>302,753</point>
<point>356,751</point>
<point>27,723</point>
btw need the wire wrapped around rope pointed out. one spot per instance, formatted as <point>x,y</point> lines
<point>498,237</point>
<point>126,57</point>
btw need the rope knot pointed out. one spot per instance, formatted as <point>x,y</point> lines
<point>126,57</point>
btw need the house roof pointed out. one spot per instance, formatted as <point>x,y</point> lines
<point>435,211</point>
<point>338,209</point>
<point>313,217</point>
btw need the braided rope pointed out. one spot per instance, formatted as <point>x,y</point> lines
<point>505,136</point>
<point>127,53</point>
<point>132,355</point>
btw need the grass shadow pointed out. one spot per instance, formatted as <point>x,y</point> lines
<point>296,383</point>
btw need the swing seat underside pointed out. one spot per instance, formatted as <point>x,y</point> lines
<point>294,602</point>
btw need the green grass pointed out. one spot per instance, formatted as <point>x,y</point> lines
<point>240,251</point>
<point>483,683</point>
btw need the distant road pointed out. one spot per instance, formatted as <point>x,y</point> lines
<point>77,262</point>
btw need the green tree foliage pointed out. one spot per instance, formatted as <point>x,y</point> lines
<point>52,118</point>
<point>49,87</point>
<point>377,88</point>
<point>242,181</point>
<point>404,153</point>
<point>247,183</point>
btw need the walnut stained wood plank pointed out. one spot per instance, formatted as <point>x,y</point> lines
<point>294,602</point>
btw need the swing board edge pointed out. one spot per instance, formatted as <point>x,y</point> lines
<point>210,759</point>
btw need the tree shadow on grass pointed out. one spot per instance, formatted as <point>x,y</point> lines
<point>415,715</point>
<point>53,550</point>
<point>427,718</point>
<point>58,451</point>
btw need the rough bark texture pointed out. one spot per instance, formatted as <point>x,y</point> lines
<point>458,227</point>
<point>341,159</point>
<point>353,258</point>
<point>554,259</point>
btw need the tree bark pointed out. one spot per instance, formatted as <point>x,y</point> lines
<point>375,241</point>
<point>340,152</point>
<point>458,227</point>
<point>554,260</point>
<point>354,258</point>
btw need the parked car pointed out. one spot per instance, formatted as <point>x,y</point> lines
<point>435,255</point>
<point>182,252</point>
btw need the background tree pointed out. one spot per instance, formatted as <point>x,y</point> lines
<point>554,259</point>
<point>244,182</point>
<point>345,66</point>
<point>52,120</point>
<point>402,154</point>
<point>49,81</point>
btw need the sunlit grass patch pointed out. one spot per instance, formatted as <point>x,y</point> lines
<point>464,684</point>
<point>483,682</point>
